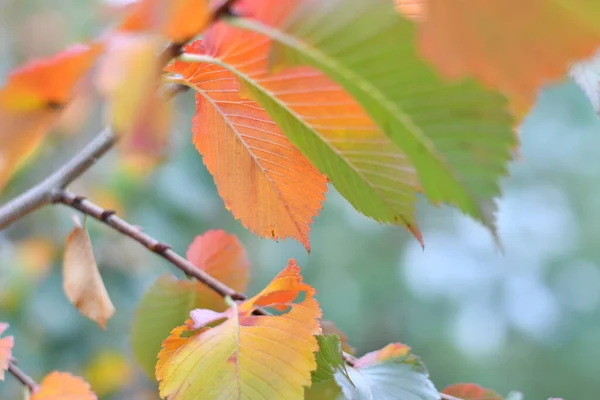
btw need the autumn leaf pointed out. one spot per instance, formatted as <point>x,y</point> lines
<point>457,135</point>
<point>128,77</point>
<point>178,20</point>
<point>62,386</point>
<point>82,282</point>
<point>223,257</point>
<point>471,391</point>
<point>169,301</point>
<point>6,345</point>
<point>390,373</point>
<point>199,361</point>
<point>511,45</point>
<point>263,179</point>
<point>31,101</point>
<point>323,121</point>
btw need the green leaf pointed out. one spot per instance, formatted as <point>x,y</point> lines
<point>329,358</point>
<point>391,373</point>
<point>164,306</point>
<point>457,135</point>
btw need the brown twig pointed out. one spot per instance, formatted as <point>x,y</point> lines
<point>164,250</point>
<point>22,377</point>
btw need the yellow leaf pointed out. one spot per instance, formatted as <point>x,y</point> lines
<point>108,372</point>
<point>81,280</point>
<point>246,356</point>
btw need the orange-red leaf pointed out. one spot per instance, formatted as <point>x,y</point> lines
<point>511,45</point>
<point>178,20</point>
<point>223,257</point>
<point>471,391</point>
<point>255,356</point>
<point>6,345</point>
<point>31,100</point>
<point>63,386</point>
<point>262,177</point>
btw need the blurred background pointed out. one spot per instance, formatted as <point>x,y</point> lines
<point>527,319</point>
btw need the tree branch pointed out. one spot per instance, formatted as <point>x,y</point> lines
<point>22,377</point>
<point>42,193</point>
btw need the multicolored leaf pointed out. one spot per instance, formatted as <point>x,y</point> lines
<point>62,386</point>
<point>263,179</point>
<point>323,121</point>
<point>471,391</point>
<point>457,135</point>
<point>169,301</point>
<point>244,355</point>
<point>82,282</point>
<point>511,45</point>
<point>390,373</point>
<point>411,9</point>
<point>31,101</point>
<point>6,345</point>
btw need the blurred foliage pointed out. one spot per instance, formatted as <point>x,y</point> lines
<point>527,319</point>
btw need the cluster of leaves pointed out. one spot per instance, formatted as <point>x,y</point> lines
<point>290,96</point>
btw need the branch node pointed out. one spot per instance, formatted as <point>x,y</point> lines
<point>106,214</point>
<point>238,296</point>
<point>159,247</point>
<point>79,199</point>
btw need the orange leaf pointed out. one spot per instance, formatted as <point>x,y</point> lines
<point>6,345</point>
<point>511,45</point>
<point>49,82</point>
<point>255,356</point>
<point>178,20</point>
<point>81,280</point>
<point>31,101</point>
<point>223,257</point>
<point>471,391</point>
<point>63,386</point>
<point>262,177</point>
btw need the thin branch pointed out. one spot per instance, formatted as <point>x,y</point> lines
<point>41,194</point>
<point>164,250</point>
<point>22,377</point>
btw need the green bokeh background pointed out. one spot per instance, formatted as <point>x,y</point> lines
<point>527,319</point>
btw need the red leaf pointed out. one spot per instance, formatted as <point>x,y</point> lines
<point>471,391</point>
